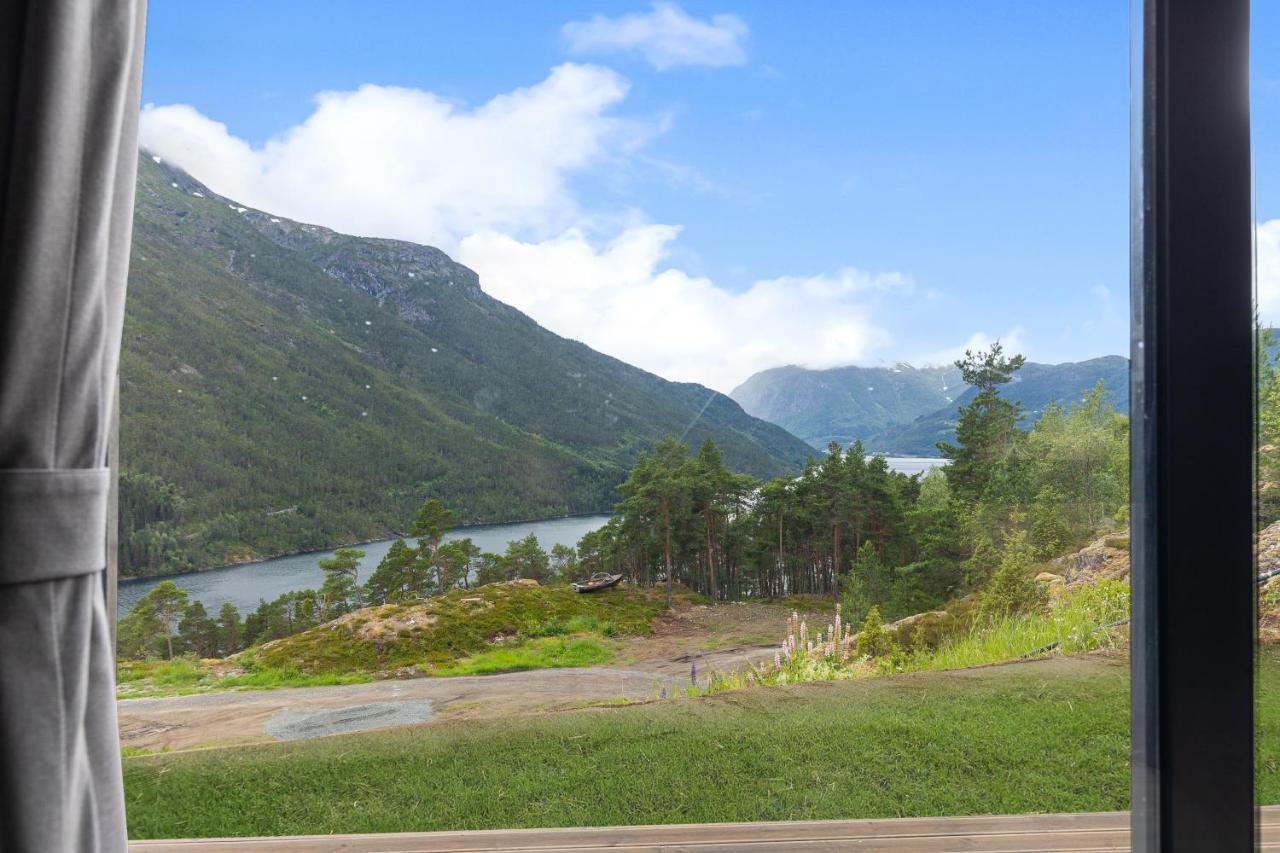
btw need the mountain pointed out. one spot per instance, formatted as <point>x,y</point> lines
<point>846,403</point>
<point>889,409</point>
<point>287,387</point>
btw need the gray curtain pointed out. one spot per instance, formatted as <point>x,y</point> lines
<point>69,91</point>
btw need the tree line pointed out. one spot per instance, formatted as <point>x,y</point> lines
<point>849,528</point>
<point>166,622</point>
<point>846,527</point>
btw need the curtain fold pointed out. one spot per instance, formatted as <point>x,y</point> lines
<point>70,73</point>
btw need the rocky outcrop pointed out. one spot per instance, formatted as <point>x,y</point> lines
<point>1106,558</point>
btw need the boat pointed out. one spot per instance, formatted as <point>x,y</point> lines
<point>597,582</point>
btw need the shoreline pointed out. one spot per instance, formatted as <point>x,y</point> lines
<point>121,581</point>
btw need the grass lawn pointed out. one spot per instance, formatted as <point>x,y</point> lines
<point>1046,736</point>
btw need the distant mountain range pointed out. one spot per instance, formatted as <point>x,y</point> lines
<point>287,387</point>
<point>904,410</point>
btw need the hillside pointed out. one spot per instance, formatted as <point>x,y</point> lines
<point>1035,386</point>
<point>905,410</point>
<point>287,387</point>
<point>846,403</point>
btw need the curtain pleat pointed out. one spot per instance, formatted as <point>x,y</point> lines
<point>70,74</point>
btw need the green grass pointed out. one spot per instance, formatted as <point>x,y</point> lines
<point>183,676</point>
<point>542,653</point>
<point>1048,736</point>
<point>1044,736</point>
<point>1076,623</point>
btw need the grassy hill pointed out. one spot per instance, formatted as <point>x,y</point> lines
<point>287,387</point>
<point>439,634</point>
<point>905,410</point>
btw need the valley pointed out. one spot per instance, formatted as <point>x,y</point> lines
<point>905,410</point>
<point>285,387</point>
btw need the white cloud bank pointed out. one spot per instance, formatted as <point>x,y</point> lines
<point>619,299</point>
<point>666,37</point>
<point>405,163</point>
<point>1268,261</point>
<point>490,185</point>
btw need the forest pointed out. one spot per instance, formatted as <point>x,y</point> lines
<point>846,528</point>
<point>850,529</point>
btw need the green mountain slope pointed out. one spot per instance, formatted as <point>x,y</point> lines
<point>846,403</point>
<point>904,410</point>
<point>286,387</point>
<point>1034,386</point>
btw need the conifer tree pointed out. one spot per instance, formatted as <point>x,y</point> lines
<point>988,426</point>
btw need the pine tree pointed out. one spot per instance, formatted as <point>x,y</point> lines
<point>387,583</point>
<point>167,601</point>
<point>658,489</point>
<point>339,592</point>
<point>988,427</point>
<point>230,630</point>
<point>564,563</point>
<point>196,631</point>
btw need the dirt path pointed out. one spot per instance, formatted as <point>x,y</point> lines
<point>718,638</point>
<point>225,718</point>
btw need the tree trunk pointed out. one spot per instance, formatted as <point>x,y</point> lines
<point>666,549</point>
<point>835,564</point>
<point>711,562</point>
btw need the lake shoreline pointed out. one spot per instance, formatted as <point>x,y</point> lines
<point>304,551</point>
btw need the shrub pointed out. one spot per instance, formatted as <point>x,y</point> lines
<point>1013,589</point>
<point>1119,542</point>
<point>873,640</point>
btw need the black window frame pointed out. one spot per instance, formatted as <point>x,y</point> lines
<point>1193,428</point>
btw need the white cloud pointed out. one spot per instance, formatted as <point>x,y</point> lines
<point>1012,341</point>
<point>621,300</point>
<point>406,163</point>
<point>666,37</point>
<point>491,186</point>
<point>1268,261</point>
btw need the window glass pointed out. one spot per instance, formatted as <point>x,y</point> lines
<point>742,391</point>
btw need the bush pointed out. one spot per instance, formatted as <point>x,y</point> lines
<point>1013,589</point>
<point>873,640</point>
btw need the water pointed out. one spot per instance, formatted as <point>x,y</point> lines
<point>914,464</point>
<point>244,585</point>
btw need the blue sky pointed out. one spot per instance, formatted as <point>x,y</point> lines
<point>705,189</point>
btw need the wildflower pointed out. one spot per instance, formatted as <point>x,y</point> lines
<point>663,694</point>
<point>693,673</point>
<point>777,660</point>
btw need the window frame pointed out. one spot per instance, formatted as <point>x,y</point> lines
<point>1192,389</point>
<point>1192,352</point>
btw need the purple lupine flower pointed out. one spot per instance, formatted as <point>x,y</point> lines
<point>693,673</point>
<point>663,694</point>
